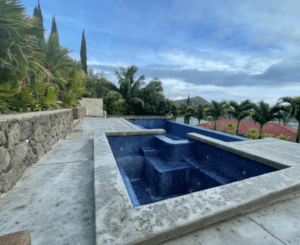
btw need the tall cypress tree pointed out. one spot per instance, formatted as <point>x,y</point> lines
<point>41,16</point>
<point>188,100</point>
<point>83,56</point>
<point>37,12</point>
<point>54,28</point>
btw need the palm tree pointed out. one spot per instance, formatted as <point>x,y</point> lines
<point>57,60</point>
<point>240,111</point>
<point>263,114</point>
<point>75,87</point>
<point>294,110</point>
<point>199,113</point>
<point>191,112</point>
<point>216,110</point>
<point>128,93</point>
<point>286,118</point>
<point>19,52</point>
<point>187,112</point>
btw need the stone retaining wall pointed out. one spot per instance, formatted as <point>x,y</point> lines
<point>79,112</point>
<point>25,138</point>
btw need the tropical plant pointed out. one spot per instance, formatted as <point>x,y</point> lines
<point>152,95</point>
<point>128,93</point>
<point>263,114</point>
<point>230,125</point>
<point>19,51</point>
<point>23,101</point>
<point>187,112</point>
<point>254,135</point>
<point>6,91</point>
<point>267,135</point>
<point>240,111</point>
<point>57,61</point>
<point>191,112</point>
<point>75,88</point>
<point>293,109</point>
<point>216,110</point>
<point>283,137</point>
<point>115,103</point>
<point>199,112</point>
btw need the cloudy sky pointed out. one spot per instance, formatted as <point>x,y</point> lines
<point>219,49</point>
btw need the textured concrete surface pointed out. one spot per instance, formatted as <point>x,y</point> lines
<point>274,225</point>
<point>118,222</point>
<point>55,197</point>
<point>56,200</point>
<point>94,106</point>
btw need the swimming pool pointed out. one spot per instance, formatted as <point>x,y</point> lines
<point>180,129</point>
<point>157,167</point>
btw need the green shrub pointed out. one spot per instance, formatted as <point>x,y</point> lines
<point>230,125</point>
<point>267,135</point>
<point>252,134</point>
<point>283,137</point>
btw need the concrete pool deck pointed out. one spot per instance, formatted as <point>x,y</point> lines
<point>77,196</point>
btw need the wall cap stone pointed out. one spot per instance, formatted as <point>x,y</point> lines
<point>29,115</point>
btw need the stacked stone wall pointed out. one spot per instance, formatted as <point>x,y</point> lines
<point>79,112</point>
<point>26,140</point>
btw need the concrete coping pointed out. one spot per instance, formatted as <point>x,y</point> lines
<point>130,124</point>
<point>119,222</point>
<point>142,117</point>
<point>234,149</point>
<point>136,132</point>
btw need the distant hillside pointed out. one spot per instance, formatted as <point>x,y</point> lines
<point>194,101</point>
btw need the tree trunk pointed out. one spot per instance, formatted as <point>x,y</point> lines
<point>298,134</point>
<point>260,131</point>
<point>238,128</point>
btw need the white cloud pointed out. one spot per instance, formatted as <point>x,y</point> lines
<point>93,61</point>
<point>226,61</point>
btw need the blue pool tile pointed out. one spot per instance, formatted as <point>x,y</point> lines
<point>162,166</point>
<point>166,178</point>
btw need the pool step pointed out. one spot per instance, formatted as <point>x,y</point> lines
<point>149,151</point>
<point>210,171</point>
<point>166,178</point>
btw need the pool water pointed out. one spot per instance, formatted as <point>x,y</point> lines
<point>156,167</point>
